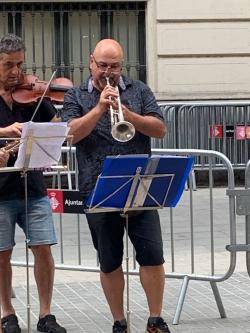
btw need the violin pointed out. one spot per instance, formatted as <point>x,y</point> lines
<point>30,89</point>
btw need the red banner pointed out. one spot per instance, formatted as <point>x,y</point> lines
<point>56,200</point>
<point>248,132</point>
<point>216,131</point>
<point>65,201</point>
<point>240,132</point>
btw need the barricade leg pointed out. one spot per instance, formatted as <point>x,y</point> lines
<point>13,295</point>
<point>247,187</point>
<point>192,180</point>
<point>127,277</point>
<point>181,300</point>
<point>218,299</point>
<point>54,181</point>
<point>248,242</point>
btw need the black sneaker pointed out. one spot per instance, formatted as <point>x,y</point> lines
<point>157,325</point>
<point>49,324</point>
<point>10,324</point>
<point>120,326</point>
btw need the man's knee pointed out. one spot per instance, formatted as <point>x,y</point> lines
<point>151,255</point>
<point>42,252</point>
<point>110,266</point>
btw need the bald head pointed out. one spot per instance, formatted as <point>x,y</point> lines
<point>108,48</point>
<point>106,61</point>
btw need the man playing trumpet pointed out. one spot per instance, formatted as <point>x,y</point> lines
<point>88,111</point>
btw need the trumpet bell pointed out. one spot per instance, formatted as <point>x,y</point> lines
<point>123,131</point>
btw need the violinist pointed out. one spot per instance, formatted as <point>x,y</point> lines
<point>12,203</point>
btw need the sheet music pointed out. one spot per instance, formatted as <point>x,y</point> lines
<point>41,144</point>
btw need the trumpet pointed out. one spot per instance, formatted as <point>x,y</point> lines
<point>121,130</point>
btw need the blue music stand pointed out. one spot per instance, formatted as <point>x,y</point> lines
<point>138,182</point>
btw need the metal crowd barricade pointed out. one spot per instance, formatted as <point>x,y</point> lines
<point>212,278</point>
<point>169,227</point>
<point>247,186</point>
<point>212,125</point>
<point>243,208</point>
<point>170,118</point>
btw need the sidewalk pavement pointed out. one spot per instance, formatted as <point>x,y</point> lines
<point>78,300</point>
<point>81,307</point>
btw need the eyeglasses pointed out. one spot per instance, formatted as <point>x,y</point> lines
<point>103,66</point>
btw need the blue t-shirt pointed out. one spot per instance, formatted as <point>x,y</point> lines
<point>92,150</point>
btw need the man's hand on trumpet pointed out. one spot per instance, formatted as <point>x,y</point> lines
<point>126,113</point>
<point>108,98</point>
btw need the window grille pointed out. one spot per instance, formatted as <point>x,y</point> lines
<point>62,35</point>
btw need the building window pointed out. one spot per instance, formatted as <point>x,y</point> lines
<point>62,35</point>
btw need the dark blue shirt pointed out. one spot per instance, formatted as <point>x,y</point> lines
<point>92,150</point>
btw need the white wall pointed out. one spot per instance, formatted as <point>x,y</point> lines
<point>201,48</point>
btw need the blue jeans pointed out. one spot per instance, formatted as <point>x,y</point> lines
<point>40,223</point>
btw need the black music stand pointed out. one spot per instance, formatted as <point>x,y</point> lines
<point>138,182</point>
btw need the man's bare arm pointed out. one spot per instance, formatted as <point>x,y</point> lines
<point>12,131</point>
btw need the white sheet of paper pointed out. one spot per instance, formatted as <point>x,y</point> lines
<point>47,140</point>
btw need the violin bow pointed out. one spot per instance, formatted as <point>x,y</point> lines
<point>44,93</point>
